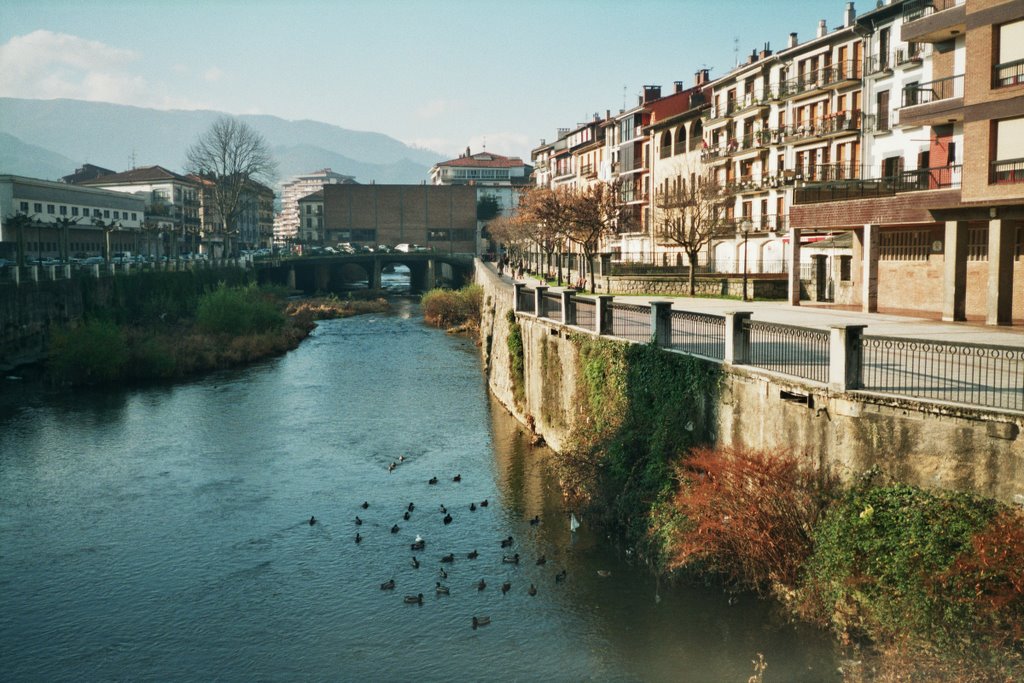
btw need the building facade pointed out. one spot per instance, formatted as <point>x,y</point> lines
<point>287,223</point>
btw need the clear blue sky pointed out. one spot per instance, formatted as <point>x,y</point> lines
<point>441,75</point>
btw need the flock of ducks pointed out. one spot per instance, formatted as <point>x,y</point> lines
<point>419,545</point>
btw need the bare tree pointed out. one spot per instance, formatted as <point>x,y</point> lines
<point>691,215</point>
<point>545,216</point>
<point>594,211</point>
<point>230,154</point>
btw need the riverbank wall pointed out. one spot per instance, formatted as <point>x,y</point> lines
<point>932,445</point>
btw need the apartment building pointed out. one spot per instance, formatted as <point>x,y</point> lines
<point>286,224</point>
<point>311,219</point>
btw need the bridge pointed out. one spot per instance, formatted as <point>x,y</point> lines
<point>333,272</point>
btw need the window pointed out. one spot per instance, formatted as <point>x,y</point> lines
<point>50,208</point>
<point>117,214</point>
<point>882,110</point>
<point>74,210</point>
<point>24,207</point>
<point>96,213</point>
<point>464,235</point>
<point>904,245</point>
<point>1009,50</point>
<point>37,207</point>
<point>364,235</point>
<point>977,243</point>
<point>844,268</point>
<point>438,235</point>
<point>1008,166</point>
<point>133,216</point>
<point>106,213</point>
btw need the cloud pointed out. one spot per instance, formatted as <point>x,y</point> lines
<point>506,143</point>
<point>213,74</point>
<point>435,108</point>
<point>48,65</point>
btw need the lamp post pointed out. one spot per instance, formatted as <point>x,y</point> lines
<point>746,225</point>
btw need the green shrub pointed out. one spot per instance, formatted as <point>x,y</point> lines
<point>877,554</point>
<point>448,308</point>
<point>516,358</point>
<point>237,311</point>
<point>92,353</point>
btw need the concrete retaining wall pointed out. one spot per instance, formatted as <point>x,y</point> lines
<point>929,445</point>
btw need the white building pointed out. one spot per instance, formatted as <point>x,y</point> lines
<point>287,223</point>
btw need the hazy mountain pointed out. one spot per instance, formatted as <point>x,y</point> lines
<point>20,158</point>
<point>118,136</point>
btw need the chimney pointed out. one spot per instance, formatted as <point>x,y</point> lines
<point>467,151</point>
<point>850,15</point>
<point>677,86</point>
<point>701,77</point>
<point>767,51</point>
<point>822,28</point>
<point>651,92</point>
<point>792,40</point>
<point>753,57</point>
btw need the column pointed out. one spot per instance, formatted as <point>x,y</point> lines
<point>794,266</point>
<point>376,270</point>
<point>737,344</point>
<point>1001,239</point>
<point>568,310</point>
<point>602,318</point>
<point>538,300</point>
<point>517,287</point>
<point>819,278</point>
<point>954,279</point>
<point>844,358</point>
<point>661,323</point>
<point>869,292</point>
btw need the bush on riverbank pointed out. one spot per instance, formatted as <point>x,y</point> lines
<point>454,309</point>
<point>238,311</point>
<point>92,353</point>
<point>516,358</point>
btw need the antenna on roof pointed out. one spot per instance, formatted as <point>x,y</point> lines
<point>485,143</point>
<point>736,50</point>
<point>625,91</point>
<point>133,158</point>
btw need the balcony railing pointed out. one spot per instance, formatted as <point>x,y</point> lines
<point>825,77</point>
<point>842,122</point>
<point>933,91</point>
<point>940,178</point>
<point>912,11</point>
<point>1008,171</point>
<point>587,170</point>
<point>721,112</point>
<point>1009,73</point>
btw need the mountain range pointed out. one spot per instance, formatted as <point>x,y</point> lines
<point>50,138</point>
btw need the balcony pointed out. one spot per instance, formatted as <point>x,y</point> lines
<point>751,102</point>
<point>718,114</point>
<point>829,77</point>
<point>827,126</point>
<point>1010,73</point>
<point>933,103</point>
<point>933,21</point>
<point>588,171</point>
<point>922,179</point>
<point>755,226</point>
<point>1007,172</point>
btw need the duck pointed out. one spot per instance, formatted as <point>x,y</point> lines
<point>450,557</point>
<point>392,466</point>
<point>401,458</point>
<point>510,560</point>
<point>472,507</point>
<point>359,539</point>
<point>410,507</point>
<point>483,503</point>
<point>418,544</point>
<point>457,478</point>
<point>441,590</point>
<point>432,481</point>
<point>414,599</point>
<point>358,521</point>
<point>506,587</point>
<point>444,510</point>
<point>481,584</point>
<point>365,505</point>
<point>447,519</point>
<point>415,563</point>
<point>560,576</point>
<point>532,590</point>
<point>312,521</point>
<point>405,516</point>
<point>388,585</point>
<point>603,573</point>
<point>472,555</point>
<point>443,573</point>
<point>535,521</point>
<point>541,560</point>
<point>507,543</point>
<point>394,529</point>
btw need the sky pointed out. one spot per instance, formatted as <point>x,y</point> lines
<point>441,75</point>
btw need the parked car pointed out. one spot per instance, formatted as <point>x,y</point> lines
<point>404,247</point>
<point>346,248</point>
<point>93,261</point>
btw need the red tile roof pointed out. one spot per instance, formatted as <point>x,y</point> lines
<point>137,175</point>
<point>484,160</point>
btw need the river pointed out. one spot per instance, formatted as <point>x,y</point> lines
<point>162,533</point>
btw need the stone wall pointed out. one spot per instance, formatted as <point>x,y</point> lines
<point>929,445</point>
<point>28,311</point>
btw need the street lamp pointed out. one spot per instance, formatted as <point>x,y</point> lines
<point>746,225</point>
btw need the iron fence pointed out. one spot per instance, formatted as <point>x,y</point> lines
<point>798,351</point>
<point>584,312</point>
<point>526,302</point>
<point>1008,73</point>
<point>975,374</point>
<point>1007,171</point>
<point>551,306</point>
<point>630,321</point>
<point>698,333</point>
<point>933,91</point>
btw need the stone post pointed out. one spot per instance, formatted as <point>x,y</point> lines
<point>819,278</point>
<point>33,273</point>
<point>96,270</point>
<point>845,357</point>
<point>517,287</point>
<point>602,318</point>
<point>737,344</point>
<point>291,278</point>
<point>794,266</point>
<point>538,300</point>
<point>954,279</point>
<point>67,271</point>
<point>661,323</point>
<point>869,298</point>
<point>568,311</point>
<point>1001,238</point>
<point>16,274</point>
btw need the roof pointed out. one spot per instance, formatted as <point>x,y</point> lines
<point>86,172</point>
<point>484,160</point>
<point>317,196</point>
<point>146,174</point>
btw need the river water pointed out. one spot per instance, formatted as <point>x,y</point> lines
<point>163,533</point>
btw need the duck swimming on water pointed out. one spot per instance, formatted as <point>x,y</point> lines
<point>411,507</point>
<point>388,585</point>
<point>447,519</point>
<point>450,557</point>
<point>405,516</point>
<point>358,521</point>
<point>507,543</point>
<point>414,599</point>
<point>481,621</point>
<point>472,555</point>
<point>312,521</point>
<point>506,587</point>
<point>441,590</point>
<point>535,521</point>
<point>560,576</point>
<point>433,480</point>
<point>365,505</point>
<point>481,584</point>
<point>415,563</point>
<point>359,539</point>
<point>483,503</point>
<point>510,560</point>
<point>457,478</point>
<point>532,591</point>
<point>394,529</point>
<point>472,507</point>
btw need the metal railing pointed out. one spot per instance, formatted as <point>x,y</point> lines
<point>912,11</point>
<point>820,78</point>
<point>975,374</point>
<point>698,334</point>
<point>1008,73</point>
<point>798,351</point>
<point>526,300</point>
<point>629,321</point>
<point>939,178</point>
<point>584,312</point>
<point>933,91</point>
<point>551,306</point>
<point>1008,171</point>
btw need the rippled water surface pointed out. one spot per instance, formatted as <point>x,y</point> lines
<point>162,534</point>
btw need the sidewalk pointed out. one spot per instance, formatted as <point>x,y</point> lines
<point>822,317</point>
